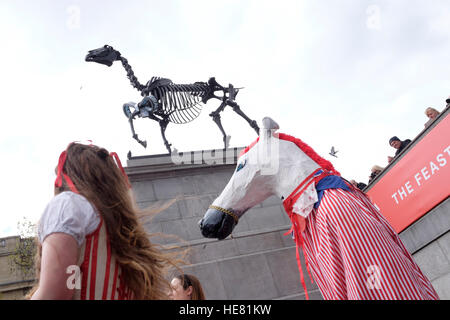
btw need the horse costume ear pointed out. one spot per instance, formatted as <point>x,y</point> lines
<point>268,147</point>
<point>269,124</point>
<point>269,127</point>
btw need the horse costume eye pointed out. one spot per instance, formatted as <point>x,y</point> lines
<point>241,165</point>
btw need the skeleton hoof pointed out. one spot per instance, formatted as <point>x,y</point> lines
<point>226,141</point>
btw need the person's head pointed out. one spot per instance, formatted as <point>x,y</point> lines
<point>361,185</point>
<point>395,142</point>
<point>186,287</point>
<point>353,182</point>
<point>431,113</point>
<point>448,101</point>
<point>93,172</point>
<point>374,172</point>
<point>97,175</point>
<point>376,169</point>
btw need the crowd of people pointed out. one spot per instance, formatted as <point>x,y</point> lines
<point>399,145</point>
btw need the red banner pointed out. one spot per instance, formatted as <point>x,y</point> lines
<point>418,182</point>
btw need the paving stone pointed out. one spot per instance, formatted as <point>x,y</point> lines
<point>286,275</point>
<point>432,261</point>
<point>211,280</point>
<point>143,191</point>
<point>442,286</point>
<point>247,277</point>
<point>265,217</point>
<point>259,242</point>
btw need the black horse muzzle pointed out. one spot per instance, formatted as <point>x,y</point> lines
<point>105,55</point>
<point>218,223</point>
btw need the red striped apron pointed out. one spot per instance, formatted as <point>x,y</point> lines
<point>100,272</point>
<point>353,252</point>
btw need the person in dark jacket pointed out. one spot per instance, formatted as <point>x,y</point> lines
<point>396,143</point>
<point>359,185</point>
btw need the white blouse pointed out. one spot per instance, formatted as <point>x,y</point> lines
<point>68,213</point>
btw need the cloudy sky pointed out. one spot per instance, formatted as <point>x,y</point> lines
<point>347,73</point>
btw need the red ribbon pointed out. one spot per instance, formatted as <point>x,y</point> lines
<point>299,223</point>
<point>119,164</point>
<point>60,173</point>
<point>299,243</point>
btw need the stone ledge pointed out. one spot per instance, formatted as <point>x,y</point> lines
<point>428,228</point>
<point>313,295</point>
<point>242,234</point>
<point>15,285</point>
<point>240,256</point>
<point>182,161</point>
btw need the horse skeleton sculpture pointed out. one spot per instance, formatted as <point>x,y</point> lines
<point>350,249</point>
<point>167,102</point>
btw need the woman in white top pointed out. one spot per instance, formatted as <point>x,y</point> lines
<point>92,245</point>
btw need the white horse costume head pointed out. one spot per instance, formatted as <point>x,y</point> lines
<point>275,164</point>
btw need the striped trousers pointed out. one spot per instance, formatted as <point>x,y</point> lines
<point>354,253</point>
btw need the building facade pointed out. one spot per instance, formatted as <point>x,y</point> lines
<point>14,284</point>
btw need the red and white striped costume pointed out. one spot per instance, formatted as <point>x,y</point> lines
<point>100,272</point>
<point>353,252</point>
<point>350,249</point>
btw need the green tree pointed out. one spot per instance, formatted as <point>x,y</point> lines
<point>21,261</point>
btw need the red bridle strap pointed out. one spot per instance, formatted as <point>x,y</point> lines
<point>298,222</point>
<point>119,164</point>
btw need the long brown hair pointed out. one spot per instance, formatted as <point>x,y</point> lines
<point>97,177</point>
<point>190,280</point>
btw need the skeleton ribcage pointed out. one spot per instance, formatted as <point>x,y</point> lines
<point>182,103</point>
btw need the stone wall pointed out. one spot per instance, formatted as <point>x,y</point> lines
<point>428,240</point>
<point>13,284</point>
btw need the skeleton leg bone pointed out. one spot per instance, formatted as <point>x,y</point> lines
<point>163,123</point>
<point>135,136</point>
<point>238,110</point>
<point>216,118</point>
